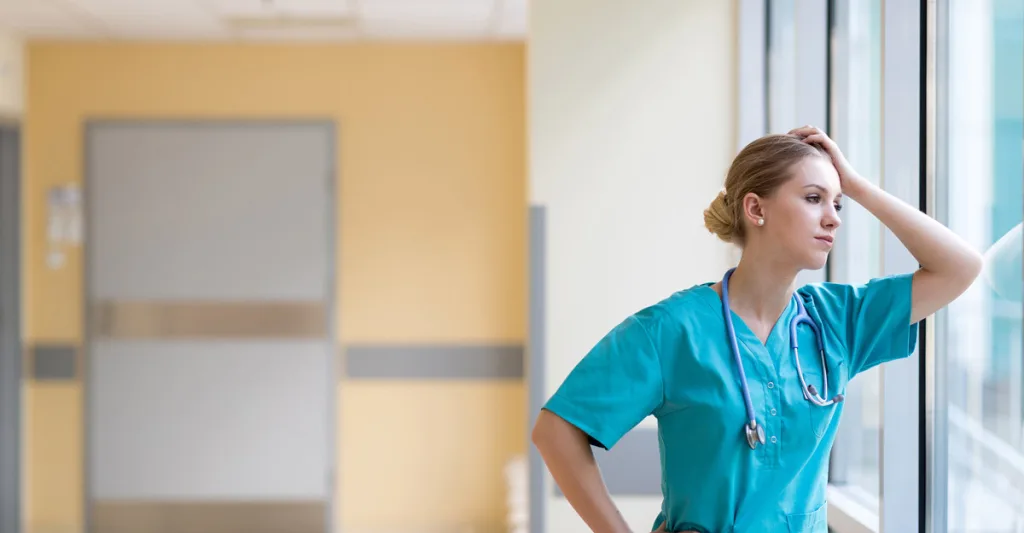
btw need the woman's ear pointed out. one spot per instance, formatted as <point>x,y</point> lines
<point>753,209</point>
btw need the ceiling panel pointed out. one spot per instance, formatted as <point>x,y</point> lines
<point>39,18</point>
<point>395,31</point>
<point>438,19</point>
<point>304,8</point>
<point>266,19</point>
<point>179,19</point>
<point>408,12</point>
<point>513,18</point>
<point>297,34</point>
<point>164,30</point>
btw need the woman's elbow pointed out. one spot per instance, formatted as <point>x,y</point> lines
<point>551,430</point>
<point>541,433</point>
<point>961,272</point>
<point>975,265</point>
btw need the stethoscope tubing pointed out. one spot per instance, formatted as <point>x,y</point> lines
<point>727,311</point>
<point>755,433</point>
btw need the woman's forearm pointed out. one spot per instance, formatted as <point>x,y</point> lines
<point>936,247</point>
<point>949,265</point>
<point>567,454</point>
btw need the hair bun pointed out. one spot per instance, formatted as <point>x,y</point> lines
<point>719,219</point>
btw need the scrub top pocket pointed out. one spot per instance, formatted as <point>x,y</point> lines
<point>813,522</point>
<point>819,417</point>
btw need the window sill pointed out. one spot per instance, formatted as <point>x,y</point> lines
<point>846,513</point>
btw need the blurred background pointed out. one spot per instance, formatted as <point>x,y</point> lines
<point>295,266</point>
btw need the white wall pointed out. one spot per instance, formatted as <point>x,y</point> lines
<point>12,100</point>
<point>632,127</point>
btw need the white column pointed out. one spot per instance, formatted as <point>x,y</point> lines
<point>632,126</point>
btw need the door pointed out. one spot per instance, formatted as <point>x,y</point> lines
<point>210,299</point>
<point>10,330</point>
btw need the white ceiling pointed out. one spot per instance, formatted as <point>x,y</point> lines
<point>265,19</point>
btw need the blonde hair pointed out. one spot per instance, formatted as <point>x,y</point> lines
<point>761,167</point>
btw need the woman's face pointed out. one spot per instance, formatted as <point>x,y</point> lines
<point>802,216</point>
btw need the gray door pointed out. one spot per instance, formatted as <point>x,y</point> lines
<point>210,376</point>
<point>10,331</point>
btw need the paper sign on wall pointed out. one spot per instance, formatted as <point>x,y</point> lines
<point>64,222</point>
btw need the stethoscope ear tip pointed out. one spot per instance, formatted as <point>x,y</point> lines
<point>838,398</point>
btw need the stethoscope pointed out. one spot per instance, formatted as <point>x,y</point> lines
<point>754,431</point>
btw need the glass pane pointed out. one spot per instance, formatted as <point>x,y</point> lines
<point>979,194</point>
<point>782,111</point>
<point>856,125</point>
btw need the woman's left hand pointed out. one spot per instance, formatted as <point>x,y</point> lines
<point>849,179</point>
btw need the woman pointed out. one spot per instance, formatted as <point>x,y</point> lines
<point>752,458</point>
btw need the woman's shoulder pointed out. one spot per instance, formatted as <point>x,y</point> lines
<point>680,311</point>
<point>826,289</point>
<point>844,298</point>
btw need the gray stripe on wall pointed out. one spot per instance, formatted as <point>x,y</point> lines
<point>210,516</point>
<point>54,362</point>
<point>633,466</point>
<point>57,362</point>
<point>536,333</point>
<point>377,361</point>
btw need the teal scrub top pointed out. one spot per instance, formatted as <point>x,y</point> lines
<point>672,360</point>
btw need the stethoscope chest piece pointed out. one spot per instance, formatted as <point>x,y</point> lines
<point>755,434</point>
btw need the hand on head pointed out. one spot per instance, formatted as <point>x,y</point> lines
<point>848,177</point>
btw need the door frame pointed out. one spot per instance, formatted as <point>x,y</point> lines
<point>330,127</point>
<point>11,353</point>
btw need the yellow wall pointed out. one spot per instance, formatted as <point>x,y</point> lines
<point>431,205</point>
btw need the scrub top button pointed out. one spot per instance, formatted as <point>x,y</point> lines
<point>773,412</point>
<point>773,440</point>
<point>771,385</point>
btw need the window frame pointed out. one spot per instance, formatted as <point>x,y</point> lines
<point>934,430</point>
<point>904,123</point>
<point>905,173</point>
<point>943,417</point>
<point>915,83</point>
<point>849,498</point>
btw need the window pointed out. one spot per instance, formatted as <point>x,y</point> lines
<point>856,125</point>
<point>958,131</point>
<point>797,73</point>
<point>979,386</point>
<point>782,66</point>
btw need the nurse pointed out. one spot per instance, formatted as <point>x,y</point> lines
<point>746,425</point>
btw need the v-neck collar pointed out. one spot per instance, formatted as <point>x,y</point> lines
<point>776,340</point>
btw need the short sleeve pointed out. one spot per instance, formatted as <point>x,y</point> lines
<point>872,320</point>
<point>617,384</point>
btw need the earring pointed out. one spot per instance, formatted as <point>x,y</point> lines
<point>760,222</point>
